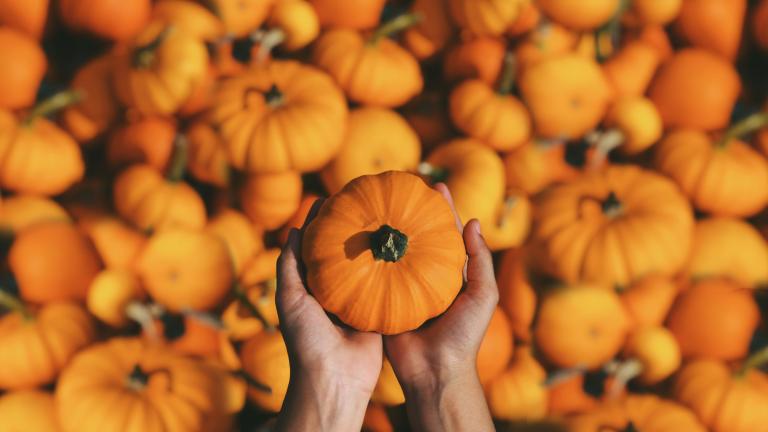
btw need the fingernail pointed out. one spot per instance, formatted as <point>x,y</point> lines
<point>477,227</point>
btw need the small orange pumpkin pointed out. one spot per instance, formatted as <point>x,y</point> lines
<point>269,200</point>
<point>433,33</point>
<point>98,110</point>
<point>637,412</point>
<point>207,159</point>
<point>648,300</point>
<point>358,15</point>
<point>29,410</point>
<point>21,211</point>
<point>117,243</point>
<point>496,348</point>
<point>243,240</point>
<point>388,391</point>
<point>655,355</point>
<point>536,165</point>
<point>485,17</point>
<point>714,25</point>
<point>546,40</point>
<point>511,224</point>
<point>265,359</point>
<point>28,17</point>
<point>116,20</point>
<point>651,12</point>
<point>376,419</point>
<point>146,141</point>
<point>254,308</point>
<point>375,230</point>
<point>568,397</point>
<point>631,70</point>
<point>519,392</point>
<point>635,124</point>
<point>581,15</point>
<point>111,294</point>
<point>480,57</point>
<point>297,24</point>
<point>189,16</point>
<point>241,17</point>
<point>516,294</point>
<point>759,27</point>
<point>21,69</point>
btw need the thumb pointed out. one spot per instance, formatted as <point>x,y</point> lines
<point>291,296</point>
<point>481,282</point>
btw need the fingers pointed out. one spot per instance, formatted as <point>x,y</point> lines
<point>291,295</point>
<point>446,193</point>
<point>481,281</point>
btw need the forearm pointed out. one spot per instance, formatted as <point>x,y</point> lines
<point>321,405</point>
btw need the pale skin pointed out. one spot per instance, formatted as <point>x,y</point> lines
<point>334,369</point>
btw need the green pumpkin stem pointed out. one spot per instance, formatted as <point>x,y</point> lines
<point>612,207</point>
<point>274,97</point>
<point>53,104</point>
<point>508,74</point>
<point>178,166</point>
<point>137,379</point>
<point>435,174</point>
<point>242,298</point>
<point>14,304</point>
<point>394,26</point>
<point>745,127</point>
<point>388,244</point>
<point>756,360</point>
<point>144,56</point>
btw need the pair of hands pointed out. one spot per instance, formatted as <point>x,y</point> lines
<point>334,369</point>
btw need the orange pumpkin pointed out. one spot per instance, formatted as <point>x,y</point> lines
<point>254,307</point>
<point>519,392</point>
<point>631,70</point>
<point>485,17</point>
<point>496,348</point>
<point>582,229</point>
<point>298,218</point>
<point>297,24</point>
<point>243,240</point>
<point>545,41</point>
<point>637,412</point>
<point>433,33</point>
<point>21,69</point>
<point>714,319</point>
<point>159,69</point>
<point>98,110</point>
<point>651,12</point>
<point>581,15</point>
<point>112,294</point>
<point>714,25</point>
<point>376,419</point>
<point>683,93</point>
<point>252,112</point>
<point>241,17</point>
<point>38,344</point>
<point>375,230</point>
<point>359,15</point>
<point>189,16</point>
<point>567,96</point>
<point>28,17</point>
<point>373,70</point>
<point>653,356</point>
<point>148,141</point>
<point>377,140</point>
<point>536,165</point>
<point>265,359</point>
<point>580,326</point>
<point>160,389</point>
<point>207,159</point>
<point>29,410</point>
<point>117,243</point>
<point>116,20</point>
<point>388,391</point>
<point>648,300</point>
<point>53,261</point>
<point>634,125</point>
<point>516,294</point>
<point>480,57</point>
<point>527,20</point>
<point>511,224</point>
<point>190,335</point>
<point>428,116</point>
<point>269,200</point>
<point>21,211</point>
<point>759,27</point>
<point>568,397</point>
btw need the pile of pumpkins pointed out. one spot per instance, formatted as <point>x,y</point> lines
<point>614,151</point>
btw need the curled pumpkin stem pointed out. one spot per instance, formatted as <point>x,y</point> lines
<point>563,375</point>
<point>204,318</point>
<point>435,174</point>
<point>53,104</point>
<point>756,360</point>
<point>623,373</point>
<point>267,40</point>
<point>145,316</point>
<point>745,127</point>
<point>14,304</point>
<point>508,74</point>
<point>605,143</point>
<point>245,301</point>
<point>394,26</point>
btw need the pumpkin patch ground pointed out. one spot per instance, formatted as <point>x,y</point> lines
<point>157,155</point>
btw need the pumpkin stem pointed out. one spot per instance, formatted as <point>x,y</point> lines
<point>435,174</point>
<point>144,56</point>
<point>395,25</point>
<point>623,373</point>
<point>204,318</point>
<point>267,41</point>
<point>612,207</point>
<point>242,297</point>
<point>507,207</point>
<point>178,166</point>
<point>563,375</point>
<point>252,382</point>
<point>612,30</point>
<point>14,304</point>
<point>274,97</point>
<point>145,316</point>
<point>605,143</point>
<point>53,105</point>
<point>508,74</point>
<point>388,244</point>
<point>137,379</point>
<point>756,360</point>
<point>744,127</point>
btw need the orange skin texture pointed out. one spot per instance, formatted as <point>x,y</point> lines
<point>639,122</point>
<point>519,392</point>
<point>657,350</point>
<point>265,358</point>
<point>110,294</point>
<point>632,68</point>
<point>98,111</point>
<point>433,33</point>
<point>496,349</point>
<point>53,261</point>
<point>480,57</point>
<point>652,12</point>
<point>714,25</point>
<point>269,200</point>
<point>117,243</point>
<point>28,16</point>
<point>381,74</point>
<point>516,294</point>
<point>207,157</point>
<point>499,119</point>
<point>428,116</point>
<point>198,339</point>
<point>150,202</point>
<point>358,15</point>
<point>723,401</point>
<point>534,166</point>
<point>376,420</point>
<point>242,17</point>
<point>649,300</point>
<point>727,180</point>
<point>527,20</point>
<point>258,280</point>
<point>35,352</point>
<point>657,38</point>
<point>485,17</point>
<point>569,397</point>
<point>543,42</point>
<point>377,140</point>
<point>21,211</point>
<point>567,95</point>
<point>388,391</point>
<point>511,224</point>
<point>185,269</point>
<point>581,15</point>
<point>298,218</point>
<point>32,410</point>
<point>146,141</point>
<point>21,69</point>
<point>109,19</point>
<point>714,319</point>
<point>645,412</point>
<point>729,247</point>
<point>298,20</point>
<point>189,16</point>
<point>683,93</point>
<point>760,24</point>
<point>349,282</point>
<point>242,238</point>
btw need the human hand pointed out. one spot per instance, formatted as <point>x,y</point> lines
<point>334,369</point>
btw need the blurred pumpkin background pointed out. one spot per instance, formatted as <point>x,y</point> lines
<point>154,155</point>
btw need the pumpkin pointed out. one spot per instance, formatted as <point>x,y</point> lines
<point>636,121</point>
<point>579,14</point>
<point>567,95</point>
<point>568,396</point>
<point>582,229</point>
<point>388,391</point>
<point>544,41</point>
<point>207,159</point>
<point>376,420</point>
<point>485,17</point>
<point>265,359</point>
<point>496,348</point>
<point>159,390</point>
<point>190,17</point>
<point>115,20</point>
<point>759,27</point>
<point>683,93</point>
<point>184,269</point>
<point>372,70</point>
<point>53,261</point>
<point>190,335</point>
<point>631,70</point>
<point>536,165</point>
<point>158,70</point>
<point>269,200</point>
<point>517,298</point>
<point>243,240</point>
<point>29,410</point>
<point>28,17</point>
<point>715,319</point>
<point>21,211</point>
<point>241,17</point>
<point>527,20</point>
<point>731,248</point>
<point>724,177</point>
<point>21,69</point>
<point>473,173</point>
<point>519,392</point>
<point>637,412</point>
<point>377,140</point>
<point>379,228</point>
<point>149,141</point>
<point>724,400</point>
<point>249,112</point>
<point>648,300</point>
<point>713,25</point>
<point>98,109</point>
<point>297,21</point>
<point>151,203</point>
<point>480,57</point>
<point>254,307</point>
<point>511,224</point>
<point>359,15</point>
<point>651,12</point>
<point>653,355</point>
<point>111,296</point>
<point>116,243</point>
<point>38,157</point>
<point>580,326</point>
<point>433,33</point>
<point>298,218</point>
<point>38,344</point>
<point>657,38</point>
